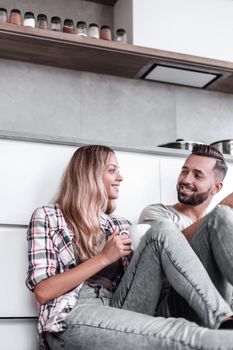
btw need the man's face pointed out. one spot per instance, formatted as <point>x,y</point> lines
<point>197,180</point>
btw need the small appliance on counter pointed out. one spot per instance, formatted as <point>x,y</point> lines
<point>181,144</point>
<point>224,146</point>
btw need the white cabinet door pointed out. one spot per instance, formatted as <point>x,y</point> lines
<point>169,171</point>
<point>30,174</point>
<point>141,183</point>
<point>18,335</point>
<point>15,299</point>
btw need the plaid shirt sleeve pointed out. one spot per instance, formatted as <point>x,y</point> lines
<point>41,254</point>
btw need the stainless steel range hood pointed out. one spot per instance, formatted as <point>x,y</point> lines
<point>180,76</point>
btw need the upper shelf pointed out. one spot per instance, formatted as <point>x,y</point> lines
<point>100,56</point>
<point>104,2</point>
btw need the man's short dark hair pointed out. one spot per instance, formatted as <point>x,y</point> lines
<point>212,152</point>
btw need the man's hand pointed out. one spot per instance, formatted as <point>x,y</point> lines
<point>228,200</point>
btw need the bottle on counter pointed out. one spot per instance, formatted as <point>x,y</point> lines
<point>42,21</point>
<point>29,20</point>
<point>3,15</point>
<point>93,31</point>
<point>15,17</point>
<point>56,24</point>
<point>105,33</point>
<point>81,28</point>
<point>121,35</point>
<point>68,26</point>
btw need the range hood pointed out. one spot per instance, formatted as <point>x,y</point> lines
<point>180,76</point>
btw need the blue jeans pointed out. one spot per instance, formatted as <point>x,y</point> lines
<point>213,244</point>
<point>127,319</point>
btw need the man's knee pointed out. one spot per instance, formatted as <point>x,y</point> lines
<point>163,228</point>
<point>222,213</point>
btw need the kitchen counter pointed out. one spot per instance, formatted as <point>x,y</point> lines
<point>163,151</point>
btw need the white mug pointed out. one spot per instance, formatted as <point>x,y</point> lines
<point>136,232</point>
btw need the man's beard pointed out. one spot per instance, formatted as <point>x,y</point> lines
<point>194,199</point>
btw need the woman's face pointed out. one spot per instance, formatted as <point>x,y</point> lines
<point>112,177</point>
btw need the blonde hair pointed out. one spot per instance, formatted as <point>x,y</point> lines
<point>82,197</point>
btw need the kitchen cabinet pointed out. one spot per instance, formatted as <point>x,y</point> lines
<point>30,176</point>
<point>28,179</point>
<point>37,184</point>
<point>169,171</point>
<point>141,183</point>
<point>18,334</point>
<point>100,56</point>
<point>22,302</point>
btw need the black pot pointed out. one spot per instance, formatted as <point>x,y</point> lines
<point>181,144</point>
<point>224,146</point>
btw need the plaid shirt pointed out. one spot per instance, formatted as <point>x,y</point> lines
<point>50,251</point>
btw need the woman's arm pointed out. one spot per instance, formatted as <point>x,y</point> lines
<point>57,285</point>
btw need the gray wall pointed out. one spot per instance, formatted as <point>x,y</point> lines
<point>60,103</point>
<point>74,9</point>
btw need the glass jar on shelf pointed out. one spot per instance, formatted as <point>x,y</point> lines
<point>42,21</point>
<point>56,24</point>
<point>93,31</point>
<point>105,33</point>
<point>68,26</point>
<point>3,15</point>
<point>81,28</point>
<point>15,17</point>
<point>121,35</point>
<point>29,20</point>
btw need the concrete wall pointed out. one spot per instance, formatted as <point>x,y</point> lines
<point>41,100</point>
<point>54,102</point>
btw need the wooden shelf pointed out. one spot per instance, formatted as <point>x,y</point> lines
<point>99,56</point>
<point>104,2</point>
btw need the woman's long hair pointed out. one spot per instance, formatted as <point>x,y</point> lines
<point>82,197</point>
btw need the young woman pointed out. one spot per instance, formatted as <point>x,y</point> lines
<point>93,292</point>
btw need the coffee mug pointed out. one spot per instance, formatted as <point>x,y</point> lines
<point>136,232</point>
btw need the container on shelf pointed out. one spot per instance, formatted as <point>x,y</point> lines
<point>3,15</point>
<point>68,26</point>
<point>181,144</point>
<point>224,146</point>
<point>81,28</point>
<point>105,33</point>
<point>29,20</point>
<point>121,35</point>
<point>56,24</point>
<point>42,21</point>
<point>15,17</point>
<point>93,31</point>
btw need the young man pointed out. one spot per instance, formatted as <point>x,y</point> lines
<point>210,235</point>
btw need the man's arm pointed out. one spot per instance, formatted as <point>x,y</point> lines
<point>153,213</point>
<point>189,231</point>
<point>156,212</point>
<point>228,200</point>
